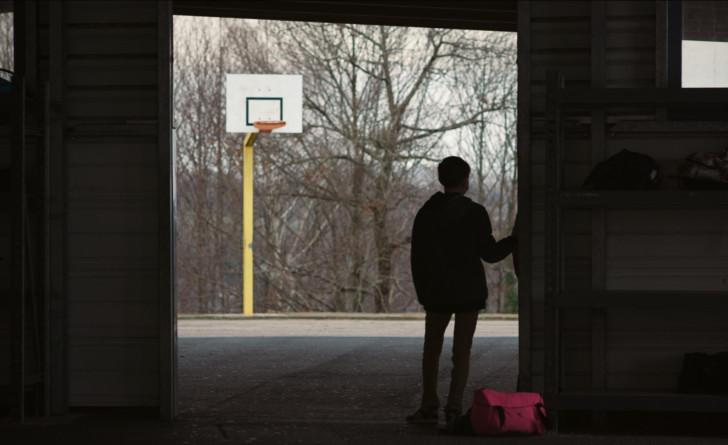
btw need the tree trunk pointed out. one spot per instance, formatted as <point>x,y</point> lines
<point>357,230</point>
<point>384,263</point>
<point>199,263</point>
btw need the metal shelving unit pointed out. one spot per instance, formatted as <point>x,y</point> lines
<point>559,101</point>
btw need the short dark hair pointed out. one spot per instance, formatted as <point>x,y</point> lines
<point>452,171</point>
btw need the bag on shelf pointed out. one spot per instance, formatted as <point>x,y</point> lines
<point>705,170</point>
<point>626,170</point>
<point>704,373</point>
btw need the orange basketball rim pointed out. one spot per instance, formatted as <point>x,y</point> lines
<point>268,126</point>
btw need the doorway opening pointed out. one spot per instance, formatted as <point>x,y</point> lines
<point>334,206</point>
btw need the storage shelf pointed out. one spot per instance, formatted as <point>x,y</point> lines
<point>645,199</point>
<point>640,299</point>
<point>593,105</point>
<point>627,401</point>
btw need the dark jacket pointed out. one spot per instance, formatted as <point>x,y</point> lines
<point>450,237</point>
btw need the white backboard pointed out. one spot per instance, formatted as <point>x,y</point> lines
<point>265,97</point>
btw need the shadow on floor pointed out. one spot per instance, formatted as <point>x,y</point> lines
<point>307,390</point>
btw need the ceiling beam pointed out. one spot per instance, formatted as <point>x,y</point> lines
<point>495,16</point>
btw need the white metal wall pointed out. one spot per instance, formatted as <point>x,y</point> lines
<point>109,67</point>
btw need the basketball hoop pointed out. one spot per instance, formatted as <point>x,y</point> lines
<point>268,126</point>
<point>256,103</point>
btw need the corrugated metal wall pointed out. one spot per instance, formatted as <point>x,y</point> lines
<point>109,66</point>
<point>617,44</point>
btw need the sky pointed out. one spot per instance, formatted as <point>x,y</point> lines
<point>705,64</point>
<point>451,142</point>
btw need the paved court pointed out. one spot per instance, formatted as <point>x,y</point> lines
<point>321,372</point>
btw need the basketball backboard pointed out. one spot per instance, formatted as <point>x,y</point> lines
<point>264,97</point>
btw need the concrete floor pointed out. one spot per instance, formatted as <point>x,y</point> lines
<point>306,381</point>
<point>321,378</point>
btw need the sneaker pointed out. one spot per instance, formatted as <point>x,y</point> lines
<point>423,417</point>
<point>451,418</point>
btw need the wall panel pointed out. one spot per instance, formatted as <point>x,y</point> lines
<point>114,75</point>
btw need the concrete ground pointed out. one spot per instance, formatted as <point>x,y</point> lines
<point>291,381</point>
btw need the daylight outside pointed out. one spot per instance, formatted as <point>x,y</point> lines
<point>334,205</point>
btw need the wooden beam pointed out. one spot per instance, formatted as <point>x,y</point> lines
<point>166,244</point>
<point>621,299</point>
<point>552,242</point>
<point>664,402</point>
<point>595,97</point>
<point>58,221</point>
<point>646,199</point>
<point>661,43</point>
<point>598,215</point>
<point>525,200</point>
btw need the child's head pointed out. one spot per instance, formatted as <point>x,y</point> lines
<point>453,173</point>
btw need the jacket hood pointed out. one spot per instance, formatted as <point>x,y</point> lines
<point>448,208</point>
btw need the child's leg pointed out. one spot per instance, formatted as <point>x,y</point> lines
<point>465,323</point>
<point>435,325</point>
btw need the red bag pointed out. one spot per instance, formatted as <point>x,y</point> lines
<point>496,413</point>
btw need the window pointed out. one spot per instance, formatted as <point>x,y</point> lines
<point>698,47</point>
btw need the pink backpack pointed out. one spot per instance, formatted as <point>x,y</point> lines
<point>496,413</point>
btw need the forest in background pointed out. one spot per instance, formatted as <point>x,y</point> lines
<point>334,205</point>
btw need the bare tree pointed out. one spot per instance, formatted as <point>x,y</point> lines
<point>333,205</point>
<point>489,145</point>
<point>7,39</point>
<point>207,173</point>
<point>375,89</point>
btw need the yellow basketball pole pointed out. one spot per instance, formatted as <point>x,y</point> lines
<point>248,223</point>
